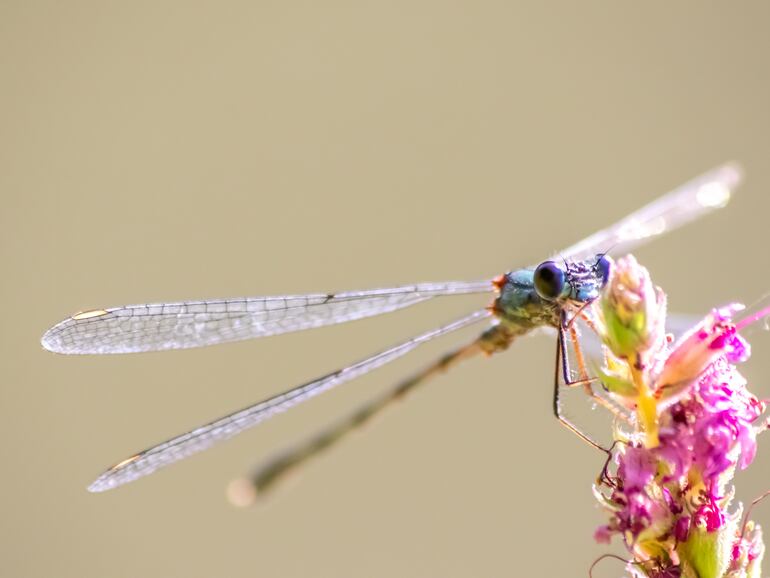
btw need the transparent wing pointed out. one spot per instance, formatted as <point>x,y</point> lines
<point>691,201</point>
<point>680,323</point>
<point>676,323</point>
<point>199,439</point>
<point>756,317</point>
<point>159,326</point>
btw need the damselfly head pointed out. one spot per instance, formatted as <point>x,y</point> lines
<point>579,281</point>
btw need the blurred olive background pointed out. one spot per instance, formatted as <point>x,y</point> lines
<point>177,150</point>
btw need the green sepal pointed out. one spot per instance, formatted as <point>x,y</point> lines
<point>708,554</point>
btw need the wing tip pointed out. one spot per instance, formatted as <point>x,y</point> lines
<point>51,341</point>
<point>98,486</point>
<point>730,174</point>
<point>715,189</point>
<point>107,481</point>
<point>733,171</point>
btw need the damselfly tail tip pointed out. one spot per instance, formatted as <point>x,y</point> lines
<point>242,493</point>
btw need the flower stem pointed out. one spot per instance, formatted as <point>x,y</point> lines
<point>646,406</point>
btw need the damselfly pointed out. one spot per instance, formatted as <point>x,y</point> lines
<point>547,295</point>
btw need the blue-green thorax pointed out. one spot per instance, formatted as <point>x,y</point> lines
<point>520,309</point>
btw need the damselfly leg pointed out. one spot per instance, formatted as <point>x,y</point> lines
<point>563,376</point>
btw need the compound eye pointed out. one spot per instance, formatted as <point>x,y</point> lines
<point>549,280</point>
<point>602,267</point>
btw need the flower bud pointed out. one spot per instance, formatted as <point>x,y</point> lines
<point>633,310</point>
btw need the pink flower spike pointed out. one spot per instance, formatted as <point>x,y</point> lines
<point>671,502</point>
